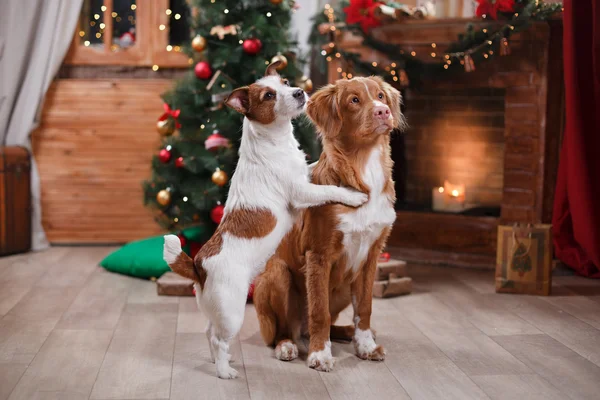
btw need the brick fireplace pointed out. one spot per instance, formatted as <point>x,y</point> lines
<point>495,130</point>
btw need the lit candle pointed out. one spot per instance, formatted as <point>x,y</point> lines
<point>449,198</point>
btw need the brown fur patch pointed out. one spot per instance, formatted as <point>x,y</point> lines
<point>248,224</point>
<point>261,110</point>
<point>342,333</point>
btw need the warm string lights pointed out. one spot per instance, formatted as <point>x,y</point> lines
<point>481,45</point>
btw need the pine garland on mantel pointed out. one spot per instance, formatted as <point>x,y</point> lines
<point>475,45</point>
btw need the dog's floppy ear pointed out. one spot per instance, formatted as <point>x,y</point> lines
<point>324,111</point>
<point>272,68</point>
<point>395,99</point>
<point>239,100</point>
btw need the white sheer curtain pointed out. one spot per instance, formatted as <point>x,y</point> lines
<point>34,38</point>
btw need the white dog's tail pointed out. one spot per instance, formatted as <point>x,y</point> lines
<point>180,262</point>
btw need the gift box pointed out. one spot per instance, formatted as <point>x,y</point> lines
<point>390,278</point>
<point>524,259</point>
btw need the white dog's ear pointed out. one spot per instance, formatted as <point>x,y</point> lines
<point>239,100</point>
<point>272,68</point>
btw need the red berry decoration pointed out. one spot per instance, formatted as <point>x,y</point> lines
<point>216,213</point>
<point>182,239</point>
<point>203,70</point>
<point>252,46</point>
<point>216,141</point>
<point>179,162</point>
<point>164,156</point>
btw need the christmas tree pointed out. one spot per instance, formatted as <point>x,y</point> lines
<point>231,44</point>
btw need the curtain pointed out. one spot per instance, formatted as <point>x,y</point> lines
<point>576,217</point>
<point>34,38</point>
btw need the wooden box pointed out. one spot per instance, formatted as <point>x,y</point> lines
<point>15,200</point>
<point>524,259</point>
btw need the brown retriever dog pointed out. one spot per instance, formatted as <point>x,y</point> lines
<point>328,260</point>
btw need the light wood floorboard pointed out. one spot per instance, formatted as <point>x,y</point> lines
<point>71,330</point>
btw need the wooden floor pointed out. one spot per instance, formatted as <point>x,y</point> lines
<point>70,330</point>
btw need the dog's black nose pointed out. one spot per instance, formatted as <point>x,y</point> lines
<point>298,93</point>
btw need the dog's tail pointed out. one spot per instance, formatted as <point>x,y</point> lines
<point>180,262</point>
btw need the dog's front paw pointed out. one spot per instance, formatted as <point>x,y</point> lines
<point>357,199</point>
<point>365,346</point>
<point>377,354</point>
<point>286,350</point>
<point>322,360</point>
<point>226,372</point>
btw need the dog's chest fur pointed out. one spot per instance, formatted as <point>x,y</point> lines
<point>363,226</point>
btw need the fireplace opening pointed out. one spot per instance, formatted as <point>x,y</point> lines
<point>451,158</point>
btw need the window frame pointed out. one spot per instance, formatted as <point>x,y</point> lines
<point>150,47</point>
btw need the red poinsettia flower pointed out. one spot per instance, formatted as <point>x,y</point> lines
<point>491,7</point>
<point>362,12</point>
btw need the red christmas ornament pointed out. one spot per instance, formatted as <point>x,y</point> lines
<point>203,70</point>
<point>362,12</point>
<point>252,46</point>
<point>384,257</point>
<point>164,156</point>
<point>216,141</point>
<point>491,7</point>
<point>216,214</point>
<point>182,239</point>
<point>179,162</point>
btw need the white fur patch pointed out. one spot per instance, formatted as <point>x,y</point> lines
<point>286,351</point>
<point>363,226</point>
<point>172,249</point>
<point>322,360</point>
<point>364,344</point>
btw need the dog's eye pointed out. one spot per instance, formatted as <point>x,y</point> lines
<point>269,96</point>
<point>380,95</point>
<point>286,82</point>
<point>355,100</point>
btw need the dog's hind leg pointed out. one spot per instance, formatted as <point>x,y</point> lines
<point>209,335</point>
<point>222,357</point>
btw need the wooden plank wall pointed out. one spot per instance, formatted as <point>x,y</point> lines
<point>93,149</point>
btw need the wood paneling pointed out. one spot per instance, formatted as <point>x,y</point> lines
<point>93,149</point>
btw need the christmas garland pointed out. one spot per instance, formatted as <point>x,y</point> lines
<point>475,45</point>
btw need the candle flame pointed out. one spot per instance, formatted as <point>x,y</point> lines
<point>455,193</point>
<point>441,189</point>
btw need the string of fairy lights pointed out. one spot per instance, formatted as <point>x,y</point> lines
<point>498,37</point>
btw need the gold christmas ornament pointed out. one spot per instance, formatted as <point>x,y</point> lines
<point>283,59</point>
<point>404,81</point>
<point>504,49</point>
<point>305,83</point>
<point>199,43</point>
<point>276,2</point>
<point>469,64</point>
<point>165,127</point>
<point>163,198</point>
<point>219,178</point>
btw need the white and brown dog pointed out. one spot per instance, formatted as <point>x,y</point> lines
<point>270,183</point>
<point>328,259</point>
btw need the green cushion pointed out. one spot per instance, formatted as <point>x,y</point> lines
<point>144,258</point>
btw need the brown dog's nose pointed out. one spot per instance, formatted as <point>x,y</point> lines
<point>298,93</point>
<point>381,111</point>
